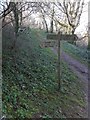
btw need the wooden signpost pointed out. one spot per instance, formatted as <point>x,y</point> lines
<point>66,37</point>
<point>48,43</point>
<point>52,39</point>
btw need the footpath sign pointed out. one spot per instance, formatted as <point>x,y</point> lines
<point>48,43</point>
<point>54,40</point>
<point>66,37</point>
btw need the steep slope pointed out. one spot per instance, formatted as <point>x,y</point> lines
<point>30,81</point>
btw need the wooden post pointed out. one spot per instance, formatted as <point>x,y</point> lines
<point>59,83</point>
<point>60,37</point>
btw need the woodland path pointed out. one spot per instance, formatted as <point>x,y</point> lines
<point>79,69</point>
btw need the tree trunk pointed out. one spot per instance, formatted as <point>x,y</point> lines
<point>51,27</point>
<point>72,41</point>
<point>21,15</point>
<point>73,31</point>
<point>89,43</point>
<point>16,25</point>
<point>56,27</point>
<point>52,20</point>
<point>45,22</point>
<point>46,25</point>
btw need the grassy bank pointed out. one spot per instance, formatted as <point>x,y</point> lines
<point>80,54</point>
<point>30,81</point>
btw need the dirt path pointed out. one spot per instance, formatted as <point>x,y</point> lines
<point>78,68</point>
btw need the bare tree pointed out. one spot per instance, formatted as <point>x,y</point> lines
<point>50,10</point>
<point>73,11</point>
<point>42,8</point>
<point>14,12</point>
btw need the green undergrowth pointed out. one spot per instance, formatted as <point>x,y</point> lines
<point>30,84</point>
<point>81,54</point>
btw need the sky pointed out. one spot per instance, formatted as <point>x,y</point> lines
<point>84,19</point>
<point>81,29</point>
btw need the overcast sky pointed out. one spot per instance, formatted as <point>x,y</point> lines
<point>84,19</point>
